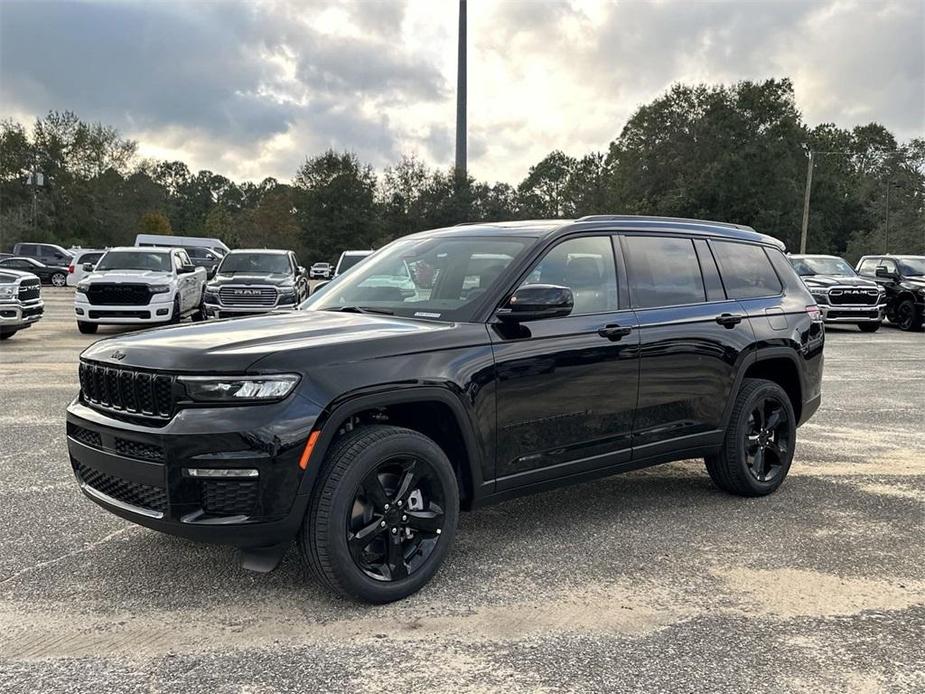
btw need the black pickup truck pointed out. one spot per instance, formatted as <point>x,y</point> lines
<point>252,281</point>
<point>902,278</point>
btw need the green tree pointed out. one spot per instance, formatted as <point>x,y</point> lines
<point>154,222</point>
<point>542,193</point>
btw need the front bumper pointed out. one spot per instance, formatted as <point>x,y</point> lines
<point>851,314</point>
<point>222,311</point>
<point>141,473</point>
<point>17,315</point>
<point>158,310</point>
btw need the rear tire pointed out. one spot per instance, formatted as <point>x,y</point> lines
<point>382,516</point>
<point>59,279</point>
<point>7,335</point>
<point>758,447</point>
<point>87,328</point>
<point>871,327</point>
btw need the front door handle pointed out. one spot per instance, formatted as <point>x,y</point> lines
<point>729,320</point>
<point>614,332</point>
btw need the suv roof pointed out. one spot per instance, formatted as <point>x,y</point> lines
<point>539,228</point>
<point>261,251</point>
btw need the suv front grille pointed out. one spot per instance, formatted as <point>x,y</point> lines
<point>853,296</point>
<point>110,294</point>
<point>29,290</point>
<point>136,449</point>
<point>127,391</point>
<point>85,436</point>
<point>133,493</point>
<point>247,296</point>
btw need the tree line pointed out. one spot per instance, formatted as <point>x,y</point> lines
<point>731,153</point>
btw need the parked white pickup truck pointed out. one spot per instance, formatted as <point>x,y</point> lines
<point>139,286</point>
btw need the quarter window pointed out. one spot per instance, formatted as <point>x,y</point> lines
<point>663,271</point>
<point>584,265</point>
<point>747,272</point>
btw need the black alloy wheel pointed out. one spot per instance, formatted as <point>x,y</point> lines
<point>757,449</point>
<point>768,439</point>
<point>396,519</point>
<point>906,318</point>
<point>382,515</point>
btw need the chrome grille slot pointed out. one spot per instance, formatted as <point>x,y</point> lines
<point>247,296</point>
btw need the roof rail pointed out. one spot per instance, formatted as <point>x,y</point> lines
<point>653,218</point>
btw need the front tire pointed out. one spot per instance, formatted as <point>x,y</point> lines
<point>907,318</point>
<point>87,328</point>
<point>382,515</point>
<point>758,447</point>
<point>871,327</point>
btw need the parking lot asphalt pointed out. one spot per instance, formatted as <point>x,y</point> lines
<point>649,581</point>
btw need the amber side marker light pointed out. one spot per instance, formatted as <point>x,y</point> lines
<point>309,445</point>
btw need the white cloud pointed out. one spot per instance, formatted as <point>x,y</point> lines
<point>250,89</point>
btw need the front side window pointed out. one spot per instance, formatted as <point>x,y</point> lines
<point>135,260</point>
<point>912,267</point>
<point>889,265</point>
<point>869,266</point>
<point>746,270</point>
<point>584,265</point>
<point>663,271</point>
<point>438,278</point>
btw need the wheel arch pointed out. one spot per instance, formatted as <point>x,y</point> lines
<point>780,366</point>
<point>433,411</point>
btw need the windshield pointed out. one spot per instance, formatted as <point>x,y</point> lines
<point>135,260</point>
<point>912,267</point>
<point>822,266</point>
<point>255,263</point>
<point>438,278</point>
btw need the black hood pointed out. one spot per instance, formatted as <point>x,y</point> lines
<point>235,345</point>
<point>248,279</point>
<point>835,280</point>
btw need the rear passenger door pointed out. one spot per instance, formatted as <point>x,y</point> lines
<point>692,342</point>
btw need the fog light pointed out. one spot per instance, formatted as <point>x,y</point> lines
<point>221,473</point>
<point>162,311</point>
<point>79,311</point>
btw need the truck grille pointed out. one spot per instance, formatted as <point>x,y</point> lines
<point>247,296</point>
<point>133,493</point>
<point>29,289</point>
<point>127,391</point>
<point>118,294</point>
<point>853,296</point>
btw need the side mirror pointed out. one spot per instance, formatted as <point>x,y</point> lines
<point>321,285</point>
<point>301,269</point>
<point>88,267</point>
<point>537,302</point>
<point>185,269</point>
<point>885,274</point>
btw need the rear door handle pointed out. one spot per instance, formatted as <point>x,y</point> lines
<point>614,332</point>
<point>729,320</point>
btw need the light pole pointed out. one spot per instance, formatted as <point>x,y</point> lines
<point>461,96</point>
<point>809,186</point>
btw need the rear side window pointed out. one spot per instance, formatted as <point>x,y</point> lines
<point>663,271</point>
<point>90,257</point>
<point>869,266</point>
<point>746,270</point>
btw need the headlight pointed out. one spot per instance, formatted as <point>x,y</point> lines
<point>8,292</point>
<point>238,388</point>
<point>82,287</point>
<point>159,288</point>
<point>287,296</point>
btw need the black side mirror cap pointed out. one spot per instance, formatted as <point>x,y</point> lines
<point>88,267</point>
<point>537,302</point>
<point>185,269</point>
<point>884,273</point>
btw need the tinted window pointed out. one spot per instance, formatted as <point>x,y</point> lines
<point>255,263</point>
<point>747,272</point>
<point>195,252</point>
<point>90,257</point>
<point>585,266</point>
<point>869,266</point>
<point>135,260</point>
<point>663,271</point>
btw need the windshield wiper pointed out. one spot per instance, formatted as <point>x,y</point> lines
<point>362,309</point>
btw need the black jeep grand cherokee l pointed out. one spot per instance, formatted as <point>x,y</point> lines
<point>457,367</point>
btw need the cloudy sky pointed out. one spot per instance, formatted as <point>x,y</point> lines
<point>249,89</point>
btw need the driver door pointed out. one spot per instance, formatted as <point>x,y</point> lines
<point>567,387</point>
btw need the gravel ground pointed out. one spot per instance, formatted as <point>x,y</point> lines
<point>649,581</point>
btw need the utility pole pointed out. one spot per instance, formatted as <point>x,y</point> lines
<point>461,96</point>
<point>886,244</point>
<point>809,186</point>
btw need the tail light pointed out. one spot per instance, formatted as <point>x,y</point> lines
<point>814,312</point>
<point>70,268</point>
